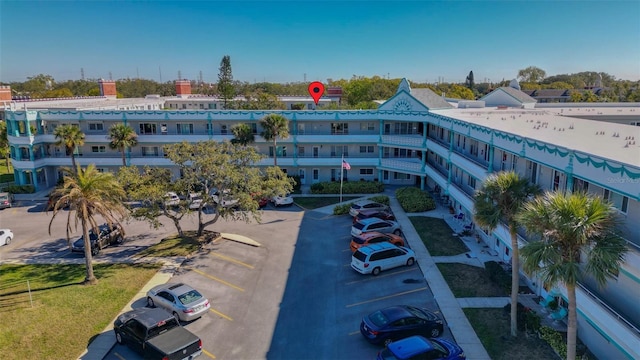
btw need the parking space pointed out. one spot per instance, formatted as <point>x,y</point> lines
<point>295,296</point>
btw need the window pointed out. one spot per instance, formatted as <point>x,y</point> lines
<point>337,151</point>
<point>580,185</point>
<point>213,106</point>
<point>620,202</point>
<point>223,129</point>
<point>301,151</point>
<point>367,126</point>
<point>95,127</point>
<point>300,129</point>
<point>471,182</point>
<point>339,129</point>
<point>366,149</point>
<point>149,151</point>
<point>366,171</point>
<point>282,151</point>
<point>316,174</point>
<point>184,129</point>
<point>148,129</point>
<point>254,128</point>
<point>98,149</point>
<point>401,176</point>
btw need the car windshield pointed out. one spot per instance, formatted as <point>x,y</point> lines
<point>356,206</point>
<point>358,240</point>
<point>378,318</point>
<point>189,297</point>
<point>358,226</point>
<point>439,347</point>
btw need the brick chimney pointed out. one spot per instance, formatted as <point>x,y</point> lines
<point>5,93</point>
<point>183,88</point>
<point>108,88</point>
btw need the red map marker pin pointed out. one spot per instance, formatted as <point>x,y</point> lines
<point>316,89</point>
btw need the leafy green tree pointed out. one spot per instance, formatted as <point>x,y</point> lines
<point>89,193</point>
<point>243,134</point>
<point>121,137</point>
<point>578,237</point>
<point>225,80</point>
<point>559,85</point>
<point>575,96</point>
<point>5,149</point>
<point>224,171</point>
<point>500,198</point>
<point>274,126</point>
<point>69,136</point>
<point>531,74</point>
<point>589,96</point>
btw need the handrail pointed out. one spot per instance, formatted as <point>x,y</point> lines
<point>620,317</point>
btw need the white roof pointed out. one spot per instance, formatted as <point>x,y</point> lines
<point>576,134</point>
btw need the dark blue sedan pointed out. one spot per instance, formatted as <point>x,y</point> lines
<point>399,322</point>
<point>418,347</point>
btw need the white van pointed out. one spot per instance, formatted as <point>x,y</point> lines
<point>374,258</point>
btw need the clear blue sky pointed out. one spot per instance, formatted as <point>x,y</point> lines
<point>282,41</point>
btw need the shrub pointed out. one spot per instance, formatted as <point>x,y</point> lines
<point>527,318</point>
<point>297,186</point>
<point>342,209</point>
<point>20,189</point>
<point>382,199</point>
<point>555,340</point>
<point>356,187</point>
<point>498,275</point>
<point>415,200</point>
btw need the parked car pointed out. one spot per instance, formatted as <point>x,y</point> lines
<point>6,236</point>
<point>224,198</point>
<point>375,224</point>
<point>6,200</point>
<point>195,202</point>
<point>181,300</point>
<point>156,334</point>
<point>282,200</point>
<point>262,202</point>
<point>419,347</point>
<point>398,322</point>
<point>171,199</point>
<point>106,236</point>
<point>374,237</point>
<point>366,205</point>
<point>380,214</point>
<point>375,258</point>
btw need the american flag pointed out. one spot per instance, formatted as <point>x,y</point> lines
<point>345,165</point>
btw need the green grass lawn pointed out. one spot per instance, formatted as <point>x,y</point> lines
<point>311,203</point>
<point>178,246</point>
<point>437,236</point>
<point>66,315</point>
<point>469,281</point>
<point>493,329</point>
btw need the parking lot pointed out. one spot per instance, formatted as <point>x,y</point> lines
<point>294,297</point>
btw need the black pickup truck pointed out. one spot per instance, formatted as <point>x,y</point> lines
<point>156,334</point>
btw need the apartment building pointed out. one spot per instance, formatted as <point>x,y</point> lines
<point>414,138</point>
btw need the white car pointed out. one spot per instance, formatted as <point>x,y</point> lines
<point>195,201</point>
<point>282,200</point>
<point>183,301</point>
<point>171,199</point>
<point>366,205</point>
<point>375,258</point>
<point>226,201</point>
<point>5,236</point>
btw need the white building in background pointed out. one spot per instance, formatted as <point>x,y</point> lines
<point>414,138</point>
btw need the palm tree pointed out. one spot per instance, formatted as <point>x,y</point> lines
<point>5,149</point>
<point>500,198</point>
<point>243,134</point>
<point>274,125</point>
<point>89,193</point>
<point>578,237</point>
<point>69,136</point>
<point>122,137</point>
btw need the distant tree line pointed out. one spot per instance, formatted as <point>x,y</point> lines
<point>359,92</point>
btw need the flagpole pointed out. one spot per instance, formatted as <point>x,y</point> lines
<point>341,177</point>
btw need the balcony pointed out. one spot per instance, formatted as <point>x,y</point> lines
<point>413,141</point>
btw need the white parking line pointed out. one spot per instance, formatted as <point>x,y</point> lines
<point>387,297</point>
<point>371,278</point>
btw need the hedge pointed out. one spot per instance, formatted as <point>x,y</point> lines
<point>348,187</point>
<point>20,189</point>
<point>415,200</point>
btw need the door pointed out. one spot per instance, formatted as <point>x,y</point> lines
<point>166,301</point>
<point>302,175</point>
<point>316,151</point>
<point>385,177</point>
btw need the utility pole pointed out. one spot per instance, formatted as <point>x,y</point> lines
<point>110,76</point>
<point>82,73</point>
<point>305,77</point>
<point>137,73</point>
<point>179,75</point>
<point>160,71</point>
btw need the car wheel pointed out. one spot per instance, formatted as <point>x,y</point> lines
<point>410,262</point>
<point>150,302</point>
<point>119,338</point>
<point>119,240</point>
<point>95,251</point>
<point>435,332</point>
<point>375,271</point>
<point>8,240</point>
<point>387,341</point>
<point>175,315</point>
<point>398,232</point>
